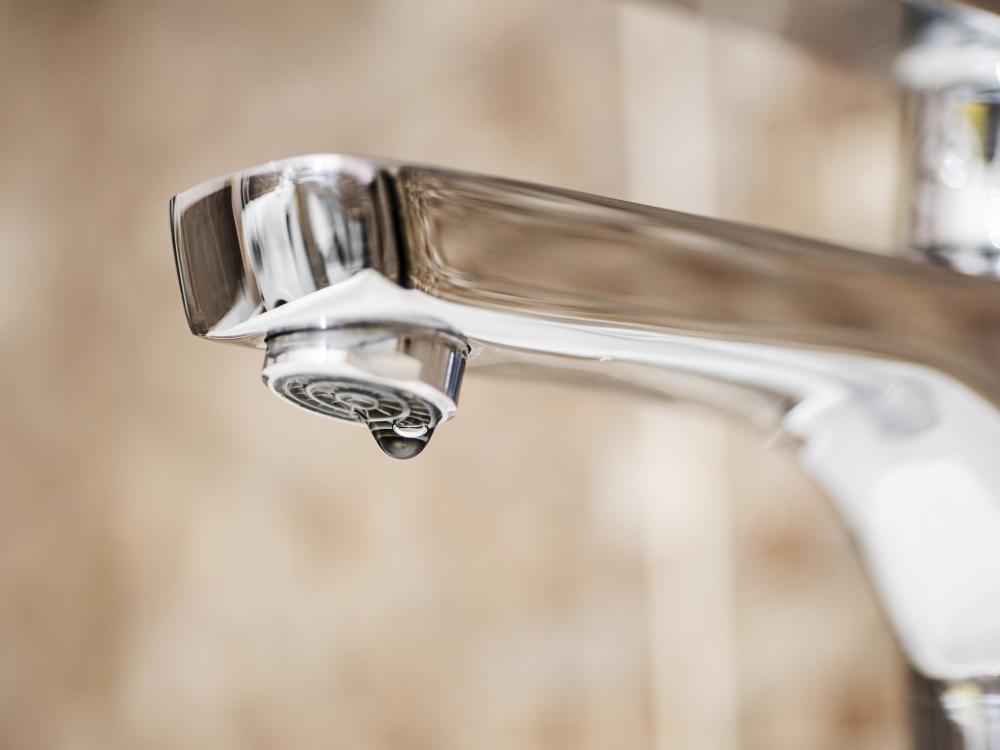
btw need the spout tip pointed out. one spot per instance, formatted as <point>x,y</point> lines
<point>365,374</point>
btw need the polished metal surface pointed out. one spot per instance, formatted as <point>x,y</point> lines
<point>547,252</point>
<point>951,206</point>
<point>884,369</point>
<point>974,707</point>
<point>400,382</point>
<point>961,715</point>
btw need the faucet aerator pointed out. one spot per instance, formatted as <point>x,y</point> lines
<point>400,381</point>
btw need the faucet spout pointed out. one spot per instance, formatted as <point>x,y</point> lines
<point>887,371</point>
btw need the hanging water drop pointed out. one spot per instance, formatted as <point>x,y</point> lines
<point>396,443</point>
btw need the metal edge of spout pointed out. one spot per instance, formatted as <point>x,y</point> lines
<point>251,242</point>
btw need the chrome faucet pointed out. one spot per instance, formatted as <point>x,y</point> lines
<point>373,284</point>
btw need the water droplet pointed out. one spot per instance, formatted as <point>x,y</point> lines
<point>398,445</point>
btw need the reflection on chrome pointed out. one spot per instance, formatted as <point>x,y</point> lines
<point>368,282</point>
<point>952,71</point>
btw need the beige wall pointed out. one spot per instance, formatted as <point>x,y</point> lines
<point>186,562</point>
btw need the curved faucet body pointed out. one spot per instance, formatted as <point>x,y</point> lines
<point>886,371</point>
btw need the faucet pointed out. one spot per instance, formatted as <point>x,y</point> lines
<point>372,285</point>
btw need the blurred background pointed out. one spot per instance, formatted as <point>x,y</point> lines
<point>186,562</point>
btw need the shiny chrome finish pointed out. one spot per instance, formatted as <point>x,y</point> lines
<point>400,382</point>
<point>952,193</point>
<point>963,715</point>
<point>886,371</point>
<point>974,707</point>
